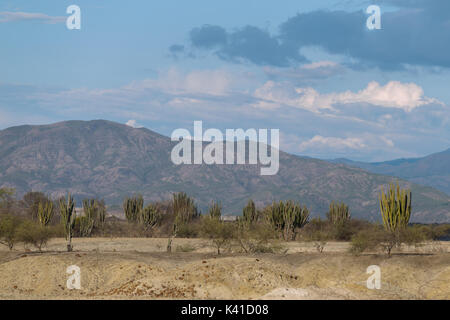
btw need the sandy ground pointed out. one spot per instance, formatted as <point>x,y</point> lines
<point>128,268</point>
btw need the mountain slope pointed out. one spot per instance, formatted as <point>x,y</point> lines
<point>432,170</point>
<point>110,160</point>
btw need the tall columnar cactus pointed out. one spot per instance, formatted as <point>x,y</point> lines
<point>45,212</point>
<point>101,214</point>
<point>215,211</point>
<point>338,213</point>
<point>249,213</point>
<point>395,206</point>
<point>133,208</point>
<point>184,208</point>
<point>149,217</point>
<point>88,219</point>
<point>286,217</point>
<point>68,214</point>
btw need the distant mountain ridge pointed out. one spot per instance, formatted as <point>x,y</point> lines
<point>110,160</point>
<point>432,170</point>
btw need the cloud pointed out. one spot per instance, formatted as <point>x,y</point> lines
<point>319,142</point>
<point>415,34</point>
<point>394,94</point>
<point>306,73</point>
<point>245,44</point>
<point>133,123</point>
<point>6,16</point>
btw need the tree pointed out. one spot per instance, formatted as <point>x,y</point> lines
<point>34,233</point>
<point>66,207</point>
<point>218,231</point>
<point>9,225</point>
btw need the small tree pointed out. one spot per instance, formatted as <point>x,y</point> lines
<point>9,225</point>
<point>35,234</point>
<point>68,214</point>
<point>220,232</point>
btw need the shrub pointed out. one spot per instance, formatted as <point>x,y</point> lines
<point>221,233</point>
<point>9,225</point>
<point>255,238</point>
<point>34,234</point>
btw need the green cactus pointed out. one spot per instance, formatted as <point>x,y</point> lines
<point>68,214</point>
<point>249,213</point>
<point>338,213</point>
<point>87,221</point>
<point>133,207</point>
<point>45,212</point>
<point>286,217</point>
<point>395,207</point>
<point>215,210</point>
<point>184,208</point>
<point>149,217</point>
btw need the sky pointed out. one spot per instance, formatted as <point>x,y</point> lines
<point>311,69</point>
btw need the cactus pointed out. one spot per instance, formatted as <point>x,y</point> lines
<point>215,211</point>
<point>249,213</point>
<point>101,214</point>
<point>45,212</point>
<point>68,214</point>
<point>338,213</point>
<point>184,208</point>
<point>286,217</point>
<point>86,222</point>
<point>133,208</point>
<point>149,217</point>
<point>395,207</point>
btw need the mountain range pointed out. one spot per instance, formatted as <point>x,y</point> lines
<point>432,170</point>
<point>109,160</point>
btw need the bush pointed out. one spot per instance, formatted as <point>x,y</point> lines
<point>9,225</point>
<point>34,234</point>
<point>256,238</point>
<point>221,233</point>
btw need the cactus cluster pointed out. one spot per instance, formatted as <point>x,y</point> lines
<point>133,207</point>
<point>338,213</point>
<point>215,210</point>
<point>286,217</point>
<point>249,213</point>
<point>395,206</point>
<point>149,217</point>
<point>184,208</point>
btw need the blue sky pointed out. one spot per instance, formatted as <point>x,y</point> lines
<point>308,68</point>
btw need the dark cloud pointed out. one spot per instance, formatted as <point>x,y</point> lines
<point>176,48</point>
<point>417,33</point>
<point>246,44</point>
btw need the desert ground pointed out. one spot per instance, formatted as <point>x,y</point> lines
<point>138,268</point>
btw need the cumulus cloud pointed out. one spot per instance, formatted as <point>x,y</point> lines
<point>6,16</point>
<point>394,94</point>
<point>133,123</point>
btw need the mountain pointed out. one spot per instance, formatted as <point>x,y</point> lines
<point>432,170</point>
<point>110,160</point>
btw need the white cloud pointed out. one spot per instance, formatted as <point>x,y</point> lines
<point>133,123</point>
<point>333,143</point>
<point>7,16</point>
<point>405,96</point>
